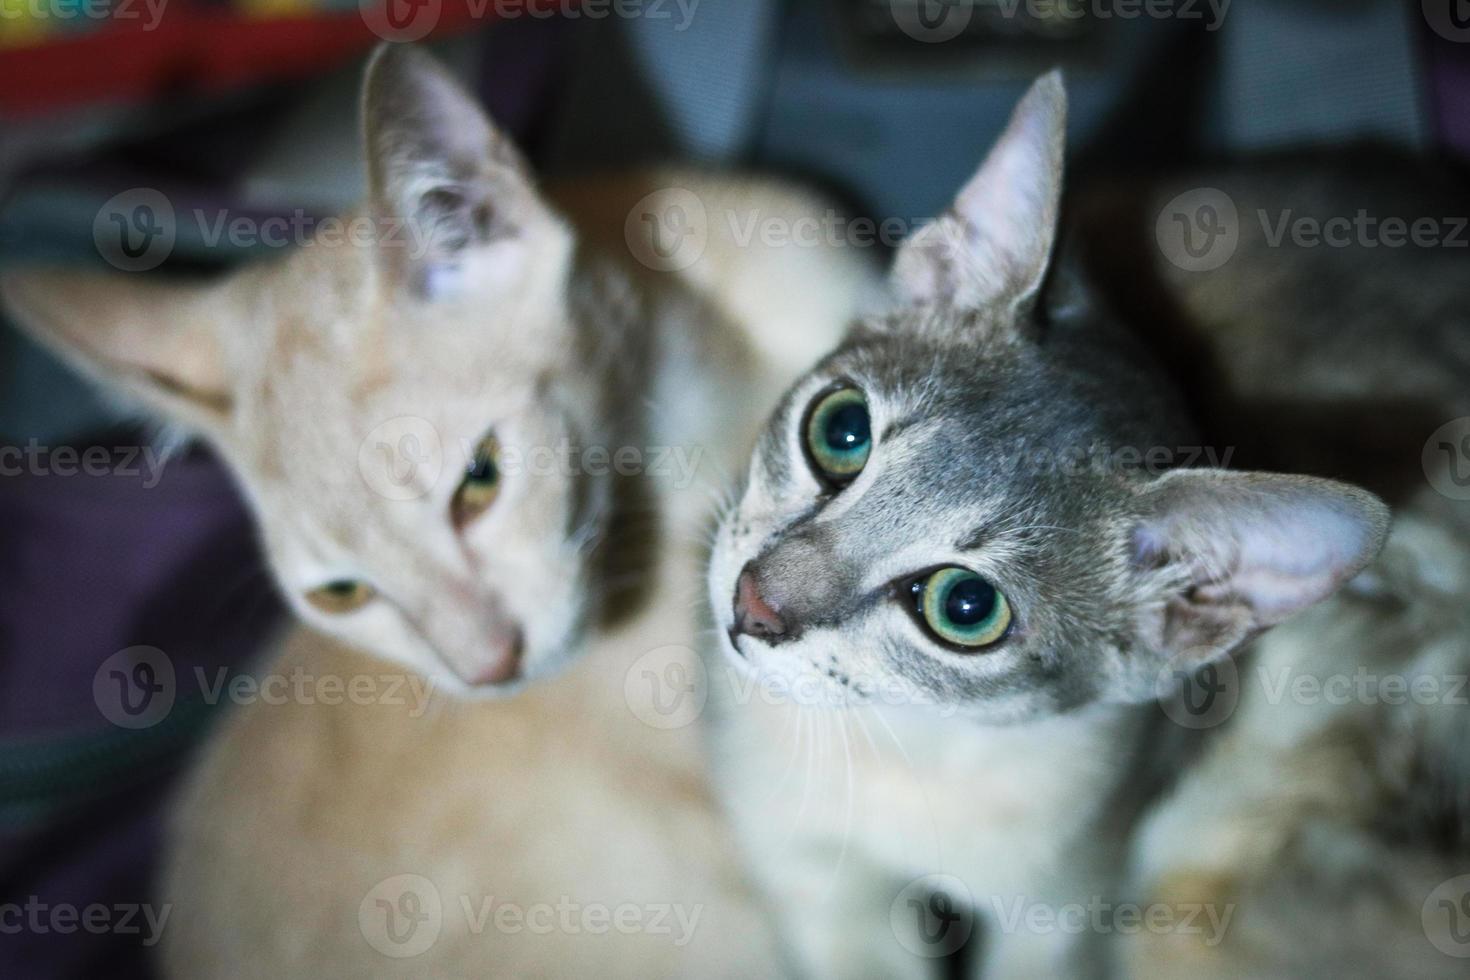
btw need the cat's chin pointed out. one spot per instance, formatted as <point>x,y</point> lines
<point>457,689</point>
<point>531,668</point>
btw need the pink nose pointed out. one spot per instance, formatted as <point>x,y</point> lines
<point>505,662</point>
<point>755,615</point>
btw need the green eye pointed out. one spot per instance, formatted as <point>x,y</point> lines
<point>839,434</point>
<point>481,483</point>
<point>343,595</point>
<point>961,608</point>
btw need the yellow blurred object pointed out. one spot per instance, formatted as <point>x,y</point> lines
<point>26,22</point>
<point>273,8</point>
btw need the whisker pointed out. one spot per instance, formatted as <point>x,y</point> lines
<point>928,804</point>
<point>847,809</point>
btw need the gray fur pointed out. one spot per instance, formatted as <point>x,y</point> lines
<point>1036,445</point>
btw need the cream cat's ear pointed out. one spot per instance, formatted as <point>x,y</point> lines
<point>1237,553</point>
<point>994,244</point>
<point>156,339</point>
<point>456,200</point>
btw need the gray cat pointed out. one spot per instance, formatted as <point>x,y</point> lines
<point>969,523</point>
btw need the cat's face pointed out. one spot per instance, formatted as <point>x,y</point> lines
<point>402,459</point>
<point>927,518</point>
<point>952,566</point>
<point>397,409</point>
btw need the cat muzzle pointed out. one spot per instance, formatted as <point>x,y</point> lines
<point>502,666</point>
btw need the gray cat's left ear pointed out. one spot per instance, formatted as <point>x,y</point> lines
<point>1223,556</point>
<point>994,244</point>
<point>446,183</point>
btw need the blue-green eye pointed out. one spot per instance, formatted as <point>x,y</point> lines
<point>961,608</point>
<point>839,434</point>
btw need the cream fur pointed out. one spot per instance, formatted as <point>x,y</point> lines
<point>297,811</point>
<point>562,793</point>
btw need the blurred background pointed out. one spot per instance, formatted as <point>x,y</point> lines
<point>248,108</point>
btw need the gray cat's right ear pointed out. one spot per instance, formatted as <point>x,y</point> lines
<point>994,244</point>
<point>1222,556</point>
<point>443,179</point>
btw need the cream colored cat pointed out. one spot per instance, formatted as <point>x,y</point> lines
<point>383,406</point>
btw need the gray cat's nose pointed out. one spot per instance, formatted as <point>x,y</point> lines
<point>754,614</point>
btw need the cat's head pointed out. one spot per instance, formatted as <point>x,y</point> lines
<point>950,507</point>
<point>393,398</point>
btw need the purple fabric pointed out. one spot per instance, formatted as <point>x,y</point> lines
<point>92,563</point>
<point>1449,85</point>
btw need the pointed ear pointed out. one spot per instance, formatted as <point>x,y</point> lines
<point>155,339</point>
<point>1227,555</point>
<point>440,171</point>
<point>995,242</point>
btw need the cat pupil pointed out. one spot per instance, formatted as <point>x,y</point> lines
<point>847,428</point>
<point>969,602</point>
<point>482,470</point>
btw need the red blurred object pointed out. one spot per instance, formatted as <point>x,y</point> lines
<point>197,49</point>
